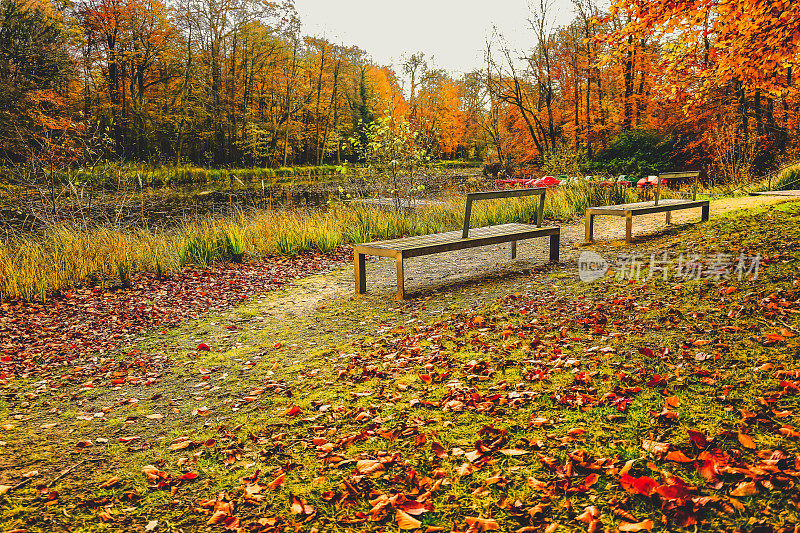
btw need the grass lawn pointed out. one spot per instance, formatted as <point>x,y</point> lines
<point>557,406</point>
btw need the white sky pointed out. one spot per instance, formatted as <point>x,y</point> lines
<point>453,32</point>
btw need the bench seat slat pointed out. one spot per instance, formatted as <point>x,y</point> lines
<point>453,236</point>
<point>644,208</point>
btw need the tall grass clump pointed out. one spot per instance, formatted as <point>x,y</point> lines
<point>33,266</point>
<point>788,178</point>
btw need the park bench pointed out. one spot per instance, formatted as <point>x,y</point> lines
<point>644,208</point>
<point>436,243</point>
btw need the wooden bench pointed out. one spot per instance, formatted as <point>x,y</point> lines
<point>644,208</point>
<point>458,240</point>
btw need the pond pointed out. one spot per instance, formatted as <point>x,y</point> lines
<point>161,207</point>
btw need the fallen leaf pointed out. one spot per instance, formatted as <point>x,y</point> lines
<point>406,521</point>
<point>482,524</point>
<point>644,524</point>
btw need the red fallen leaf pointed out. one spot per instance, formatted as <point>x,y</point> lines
<point>482,524</point>
<point>644,485</point>
<point>276,345</point>
<point>292,411</point>
<point>677,456</point>
<point>646,352</point>
<point>416,508</point>
<point>644,524</point>
<point>730,290</point>
<point>674,489</point>
<point>574,432</point>
<point>203,347</point>
<point>405,521</point>
<point>426,378</point>
<point>232,523</point>
<point>277,482</point>
<point>591,479</point>
<point>698,437</point>
<point>188,476</point>
<point>126,440</point>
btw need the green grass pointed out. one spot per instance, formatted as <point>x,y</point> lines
<point>544,321</point>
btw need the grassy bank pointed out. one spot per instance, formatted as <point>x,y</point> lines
<point>36,265</point>
<point>524,403</point>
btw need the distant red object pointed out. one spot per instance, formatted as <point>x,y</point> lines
<point>513,182</point>
<point>547,181</point>
<point>651,181</point>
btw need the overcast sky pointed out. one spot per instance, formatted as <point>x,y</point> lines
<point>453,31</point>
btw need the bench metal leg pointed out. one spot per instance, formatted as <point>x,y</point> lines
<point>589,228</point>
<point>401,291</point>
<point>555,241</point>
<point>705,213</point>
<point>669,218</point>
<point>628,227</point>
<point>513,250</point>
<point>360,272</point>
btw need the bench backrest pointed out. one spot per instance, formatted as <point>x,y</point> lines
<point>511,193</point>
<point>667,175</point>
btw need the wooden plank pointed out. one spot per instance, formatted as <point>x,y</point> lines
<point>453,237</point>
<point>474,243</point>
<point>645,208</point>
<point>449,235</point>
<point>510,193</point>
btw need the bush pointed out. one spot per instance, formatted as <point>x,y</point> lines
<point>639,153</point>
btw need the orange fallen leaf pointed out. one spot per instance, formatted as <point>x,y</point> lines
<point>745,488</point>
<point>746,441</point>
<point>644,524</point>
<point>277,482</point>
<point>406,521</point>
<point>110,482</point>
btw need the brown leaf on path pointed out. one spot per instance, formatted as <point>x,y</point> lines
<point>481,524</point>
<point>406,521</point>
<point>644,524</point>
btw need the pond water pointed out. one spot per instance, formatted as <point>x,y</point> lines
<point>167,206</point>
